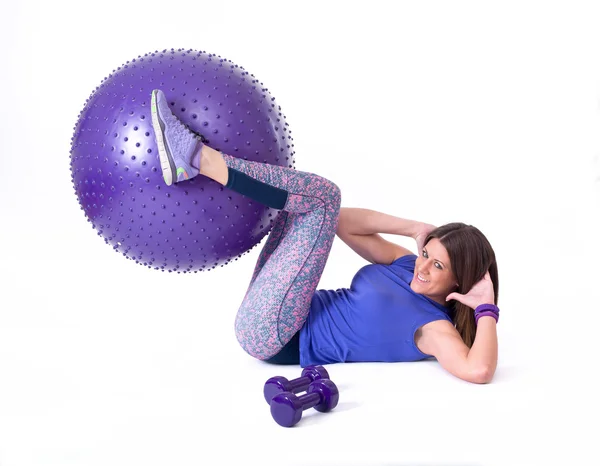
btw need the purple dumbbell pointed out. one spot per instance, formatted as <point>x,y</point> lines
<point>287,408</point>
<point>276,385</point>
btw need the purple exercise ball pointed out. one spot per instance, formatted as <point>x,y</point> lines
<point>198,224</point>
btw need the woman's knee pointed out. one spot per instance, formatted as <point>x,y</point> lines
<point>332,193</point>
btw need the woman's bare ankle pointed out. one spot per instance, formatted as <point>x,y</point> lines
<point>213,165</point>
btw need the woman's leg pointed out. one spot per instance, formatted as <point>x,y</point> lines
<point>291,263</point>
<point>278,299</point>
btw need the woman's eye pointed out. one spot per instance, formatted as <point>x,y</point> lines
<point>437,263</point>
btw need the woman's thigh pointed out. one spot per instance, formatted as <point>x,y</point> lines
<point>278,300</point>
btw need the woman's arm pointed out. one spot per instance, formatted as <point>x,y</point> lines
<point>484,351</point>
<point>367,222</point>
<point>441,340</point>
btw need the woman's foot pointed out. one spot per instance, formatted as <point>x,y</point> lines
<point>179,148</point>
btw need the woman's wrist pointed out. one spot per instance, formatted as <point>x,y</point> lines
<point>486,309</point>
<point>485,303</point>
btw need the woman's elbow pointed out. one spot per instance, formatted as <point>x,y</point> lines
<point>480,377</point>
<point>483,376</point>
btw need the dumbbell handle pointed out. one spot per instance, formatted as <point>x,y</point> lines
<point>310,400</point>
<point>300,384</point>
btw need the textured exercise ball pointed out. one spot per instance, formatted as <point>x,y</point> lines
<point>191,226</point>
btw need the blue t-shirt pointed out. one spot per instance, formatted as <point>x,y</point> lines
<point>373,320</point>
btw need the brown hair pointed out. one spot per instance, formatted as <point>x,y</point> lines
<point>471,256</point>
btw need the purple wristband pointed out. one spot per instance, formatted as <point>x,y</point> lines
<point>487,310</point>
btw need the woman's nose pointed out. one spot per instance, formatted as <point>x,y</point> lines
<point>425,265</point>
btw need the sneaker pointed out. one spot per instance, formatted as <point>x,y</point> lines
<point>179,148</point>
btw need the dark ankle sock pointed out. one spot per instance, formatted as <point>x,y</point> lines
<point>262,192</point>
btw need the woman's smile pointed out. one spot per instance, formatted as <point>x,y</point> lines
<point>420,279</point>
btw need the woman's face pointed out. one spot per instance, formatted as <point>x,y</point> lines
<point>433,264</point>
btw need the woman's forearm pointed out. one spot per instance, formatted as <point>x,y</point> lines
<point>366,222</point>
<point>483,355</point>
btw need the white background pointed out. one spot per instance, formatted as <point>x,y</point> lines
<point>481,112</point>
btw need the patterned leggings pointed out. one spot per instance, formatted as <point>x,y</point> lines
<point>292,260</point>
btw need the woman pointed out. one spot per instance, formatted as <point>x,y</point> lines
<point>399,308</point>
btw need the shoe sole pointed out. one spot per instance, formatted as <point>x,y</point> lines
<point>164,154</point>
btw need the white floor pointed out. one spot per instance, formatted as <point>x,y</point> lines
<point>485,113</point>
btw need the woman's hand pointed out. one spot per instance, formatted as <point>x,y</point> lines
<point>422,231</point>
<point>481,293</point>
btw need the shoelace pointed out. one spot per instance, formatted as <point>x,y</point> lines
<point>197,135</point>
